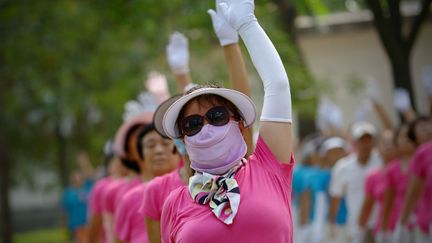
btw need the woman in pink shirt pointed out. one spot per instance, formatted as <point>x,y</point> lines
<point>125,148</point>
<point>419,192</point>
<point>230,198</point>
<point>115,170</point>
<point>156,157</point>
<point>375,186</point>
<point>397,178</point>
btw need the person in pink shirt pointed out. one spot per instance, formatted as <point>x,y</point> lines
<point>231,198</point>
<point>397,178</point>
<point>419,192</point>
<point>157,157</point>
<point>375,185</point>
<point>115,170</point>
<point>125,148</point>
<point>158,189</point>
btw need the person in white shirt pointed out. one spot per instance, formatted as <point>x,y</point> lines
<point>349,173</point>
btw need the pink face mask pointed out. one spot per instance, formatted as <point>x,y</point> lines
<point>215,149</point>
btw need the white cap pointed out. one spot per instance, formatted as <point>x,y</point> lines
<point>243,103</point>
<point>332,143</point>
<point>361,128</point>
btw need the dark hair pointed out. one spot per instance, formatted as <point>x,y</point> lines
<point>139,143</point>
<point>130,164</point>
<point>412,126</point>
<point>127,162</point>
<point>211,99</point>
<point>128,136</point>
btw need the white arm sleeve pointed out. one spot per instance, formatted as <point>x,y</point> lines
<point>277,96</point>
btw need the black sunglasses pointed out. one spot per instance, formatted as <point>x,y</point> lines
<point>216,116</point>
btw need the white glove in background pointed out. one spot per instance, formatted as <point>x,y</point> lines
<point>329,116</point>
<point>362,111</point>
<point>372,89</point>
<point>401,100</point>
<point>157,85</point>
<point>178,53</point>
<point>226,33</point>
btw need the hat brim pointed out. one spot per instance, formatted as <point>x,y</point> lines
<point>160,112</point>
<point>119,139</point>
<point>243,103</point>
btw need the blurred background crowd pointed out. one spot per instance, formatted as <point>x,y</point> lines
<point>361,82</point>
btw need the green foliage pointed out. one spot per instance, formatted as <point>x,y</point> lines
<point>42,236</point>
<point>70,66</point>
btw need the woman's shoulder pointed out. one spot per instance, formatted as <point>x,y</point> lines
<point>178,195</point>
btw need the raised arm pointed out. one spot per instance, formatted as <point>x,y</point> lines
<point>402,103</point>
<point>382,115</point>
<point>228,39</point>
<point>275,127</point>
<point>177,52</point>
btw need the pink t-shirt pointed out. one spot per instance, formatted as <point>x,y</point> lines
<point>129,184</point>
<point>129,224</point>
<point>157,192</point>
<point>375,187</point>
<point>421,166</point>
<point>264,213</point>
<point>95,200</point>
<point>397,180</point>
<point>115,192</point>
<point>109,195</point>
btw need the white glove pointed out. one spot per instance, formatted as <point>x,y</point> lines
<point>157,85</point>
<point>132,108</point>
<point>277,96</point>
<point>178,53</point>
<point>226,33</point>
<point>238,13</point>
<point>335,117</point>
<point>362,111</point>
<point>372,89</point>
<point>401,100</point>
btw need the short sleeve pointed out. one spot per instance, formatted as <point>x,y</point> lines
<point>390,173</point>
<point>122,223</point>
<point>150,207</point>
<point>96,197</point>
<point>422,159</point>
<point>266,159</point>
<point>370,182</point>
<point>168,217</point>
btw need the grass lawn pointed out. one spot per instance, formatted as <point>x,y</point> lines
<point>42,236</point>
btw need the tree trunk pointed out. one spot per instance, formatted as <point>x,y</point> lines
<point>401,71</point>
<point>6,228</point>
<point>5,210</point>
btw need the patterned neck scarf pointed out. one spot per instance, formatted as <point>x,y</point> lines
<point>221,192</point>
